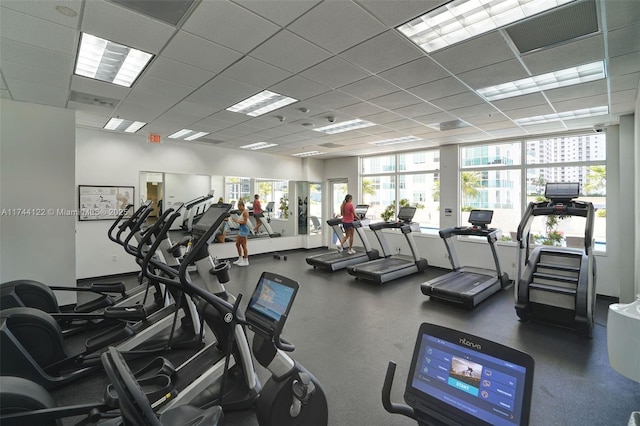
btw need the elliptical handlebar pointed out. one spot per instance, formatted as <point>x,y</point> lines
<point>132,220</point>
<point>118,220</point>
<point>278,341</point>
<point>133,250</point>
<point>393,407</point>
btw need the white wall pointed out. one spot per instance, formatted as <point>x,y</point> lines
<point>110,158</point>
<point>637,196</point>
<point>37,173</point>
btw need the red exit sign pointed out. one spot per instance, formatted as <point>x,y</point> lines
<point>154,138</point>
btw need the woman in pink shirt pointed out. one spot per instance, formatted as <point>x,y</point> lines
<point>257,210</point>
<point>348,213</point>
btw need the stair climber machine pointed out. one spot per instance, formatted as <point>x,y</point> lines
<point>110,295</point>
<point>459,379</point>
<point>33,344</point>
<point>336,260</point>
<point>557,284</point>
<point>463,286</point>
<point>390,266</point>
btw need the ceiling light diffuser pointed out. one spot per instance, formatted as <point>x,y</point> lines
<point>261,103</point>
<point>121,125</point>
<point>568,115</point>
<point>187,135</point>
<point>460,20</point>
<point>345,126</point>
<point>105,60</point>
<point>396,141</point>
<point>258,145</point>
<point>552,80</point>
<point>308,154</point>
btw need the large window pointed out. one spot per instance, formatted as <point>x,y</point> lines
<point>411,178</point>
<point>276,191</point>
<point>506,177</point>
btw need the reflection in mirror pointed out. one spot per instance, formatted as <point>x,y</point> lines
<point>166,189</point>
<point>315,208</point>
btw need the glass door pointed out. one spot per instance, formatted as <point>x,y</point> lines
<point>338,190</point>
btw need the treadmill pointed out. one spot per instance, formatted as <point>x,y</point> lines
<point>391,267</point>
<point>335,260</point>
<point>462,286</point>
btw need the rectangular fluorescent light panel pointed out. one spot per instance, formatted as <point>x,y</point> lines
<point>261,103</point>
<point>105,60</point>
<point>345,126</point>
<point>308,154</point>
<point>396,141</point>
<point>568,115</point>
<point>187,135</point>
<point>460,20</point>
<point>552,80</point>
<point>258,145</point>
<point>124,125</point>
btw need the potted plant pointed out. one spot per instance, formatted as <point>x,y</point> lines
<point>284,208</point>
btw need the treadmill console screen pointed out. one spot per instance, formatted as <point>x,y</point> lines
<point>406,214</point>
<point>468,380</point>
<point>480,217</point>
<point>361,210</point>
<point>271,299</point>
<point>562,191</point>
<point>209,218</point>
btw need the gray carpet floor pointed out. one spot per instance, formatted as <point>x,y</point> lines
<point>346,330</point>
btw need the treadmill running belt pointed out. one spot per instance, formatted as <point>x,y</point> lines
<point>461,283</point>
<point>382,266</point>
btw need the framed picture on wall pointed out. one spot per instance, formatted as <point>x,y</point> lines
<point>102,202</point>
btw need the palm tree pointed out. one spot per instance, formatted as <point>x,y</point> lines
<point>596,179</point>
<point>470,182</point>
<point>368,188</point>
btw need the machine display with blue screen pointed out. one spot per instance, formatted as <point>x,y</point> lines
<point>469,380</point>
<point>270,301</point>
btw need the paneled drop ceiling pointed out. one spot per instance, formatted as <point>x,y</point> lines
<point>342,60</point>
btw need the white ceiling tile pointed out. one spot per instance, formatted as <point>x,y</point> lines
<point>624,96</point>
<point>477,52</point>
<point>438,89</point>
<point>290,52</point>
<point>120,25</point>
<point>230,25</point>
<point>37,32</point>
<point>336,25</point>
<point>21,53</point>
<point>625,64</point>
<point>46,9</point>
<point>414,73</point>
<point>397,51</point>
<point>155,90</point>
<point>368,88</point>
<point>458,101</point>
<point>334,100</point>
<point>567,55</point>
<point>624,82</point>
<point>395,100</point>
<point>473,111</point>
<point>37,93</point>
<point>201,53</point>
<point>621,13</point>
<point>417,110</point>
<point>624,40</point>
<point>361,109</point>
<point>255,72</point>
<point>383,117</point>
<point>35,75</point>
<point>532,111</point>
<point>90,118</point>
<point>581,103</point>
<point>178,72</point>
<point>491,75</point>
<point>334,72</point>
<point>598,87</point>
<point>282,12</point>
<point>193,109</point>
<point>396,12</point>
<point>4,94</point>
<point>439,117</point>
<point>299,88</point>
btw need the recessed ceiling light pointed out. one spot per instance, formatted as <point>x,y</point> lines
<point>345,126</point>
<point>258,145</point>
<point>552,80</point>
<point>122,125</point>
<point>66,11</point>
<point>187,135</point>
<point>105,60</point>
<point>396,141</point>
<point>460,20</point>
<point>568,115</point>
<point>261,103</point>
<point>308,154</point>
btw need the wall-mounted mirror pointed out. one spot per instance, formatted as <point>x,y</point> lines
<point>309,208</point>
